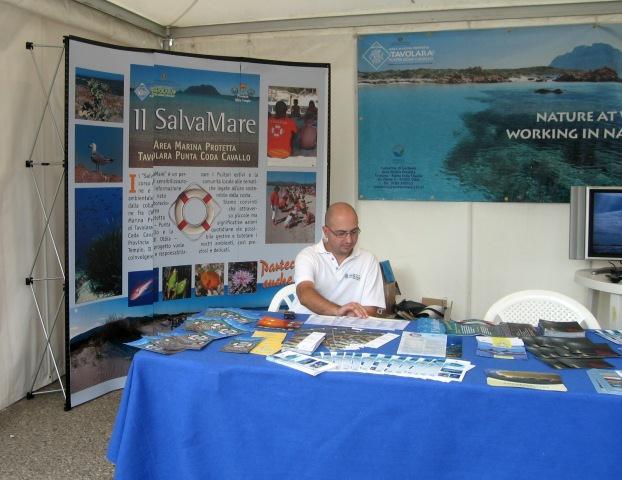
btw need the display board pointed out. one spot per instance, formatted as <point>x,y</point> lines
<point>192,181</point>
<point>516,115</point>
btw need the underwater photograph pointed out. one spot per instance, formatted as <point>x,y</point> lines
<point>98,243</point>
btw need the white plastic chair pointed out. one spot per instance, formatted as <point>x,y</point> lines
<point>286,294</point>
<point>529,306</point>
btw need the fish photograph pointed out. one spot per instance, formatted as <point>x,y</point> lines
<point>142,287</point>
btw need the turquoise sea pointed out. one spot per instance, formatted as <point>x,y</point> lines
<point>450,142</point>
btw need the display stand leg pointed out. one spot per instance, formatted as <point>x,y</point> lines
<point>47,321</point>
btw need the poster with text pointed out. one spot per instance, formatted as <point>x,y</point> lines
<point>170,176</point>
<point>501,115</point>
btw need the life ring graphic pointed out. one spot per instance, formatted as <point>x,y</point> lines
<point>179,213</point>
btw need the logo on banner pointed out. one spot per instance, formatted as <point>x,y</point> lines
<point>376,55</point>
<point>401,54</point>
<point>142,91</point>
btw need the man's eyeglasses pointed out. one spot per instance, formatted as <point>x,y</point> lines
<point>344,233</point>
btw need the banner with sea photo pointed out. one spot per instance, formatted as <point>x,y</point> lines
<point>169,194</point>
<point>501,115</point>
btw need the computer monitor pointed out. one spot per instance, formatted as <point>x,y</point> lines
<point>604,223</point>
<point>596,223</point>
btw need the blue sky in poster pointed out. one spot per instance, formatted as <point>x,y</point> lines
<point>493,48</point>
<point>182,78</point>
<point>85,72</point>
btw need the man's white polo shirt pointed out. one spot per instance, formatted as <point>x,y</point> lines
<point>357,279</point>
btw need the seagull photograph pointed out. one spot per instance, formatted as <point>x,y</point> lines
<point>99,154</point>
<point>97,158</point>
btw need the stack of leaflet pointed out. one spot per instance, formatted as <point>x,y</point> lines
<point>198,330</point>
<point>508,348</point>
<point>173,342</point>
<point>235,315</point>
<point>342,338</point>
<point>606,381</point>
<point>216,327</point>
<point>438,369</point>
<point>481,327</point>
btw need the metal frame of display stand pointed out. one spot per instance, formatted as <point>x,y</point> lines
<point>47,321</point>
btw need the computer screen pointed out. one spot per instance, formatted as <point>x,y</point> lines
<point>604,223</point>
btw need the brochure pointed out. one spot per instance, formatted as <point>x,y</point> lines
<point>423,344</point>
<point>614,336</point>
<point>168,343</point>
<point>533,380</point>
<point>438,369</point>
<point>508,348</point>
<point>606,381</point>
<point>270,344</point>
<point>299,361</point>
<point>241,345</point>
<point>481,327</point>
<point>564,352</point>
<point>561,329</point>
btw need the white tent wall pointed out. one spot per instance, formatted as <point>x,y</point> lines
<point>22,99</point>
<point>470,253</point>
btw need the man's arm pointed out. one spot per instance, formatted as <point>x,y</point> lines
<point>311,298</point>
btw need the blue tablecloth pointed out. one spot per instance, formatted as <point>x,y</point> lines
<point>213,415</point>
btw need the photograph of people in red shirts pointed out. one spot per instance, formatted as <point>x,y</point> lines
<point>281,131</point>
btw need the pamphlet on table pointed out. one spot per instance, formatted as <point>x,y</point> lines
<point>369,323</point>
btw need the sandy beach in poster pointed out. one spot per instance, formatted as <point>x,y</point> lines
<point>295,217</point>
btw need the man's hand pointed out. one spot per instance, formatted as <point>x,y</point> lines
<point>352,309</point>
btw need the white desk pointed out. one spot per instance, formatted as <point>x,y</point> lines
<point>597,284</point>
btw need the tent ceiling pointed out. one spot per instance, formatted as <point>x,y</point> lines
<point>187,18</point>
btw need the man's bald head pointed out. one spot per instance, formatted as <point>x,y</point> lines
<point>340,212</point>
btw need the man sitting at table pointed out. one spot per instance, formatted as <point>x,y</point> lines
<point>334,276</point>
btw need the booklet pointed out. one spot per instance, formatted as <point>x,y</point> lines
<point>606,381</point>
<point>534,380</point>
<point>299,361</point>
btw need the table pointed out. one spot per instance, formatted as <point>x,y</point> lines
<point>212,415</point>
<point>597,284</point>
